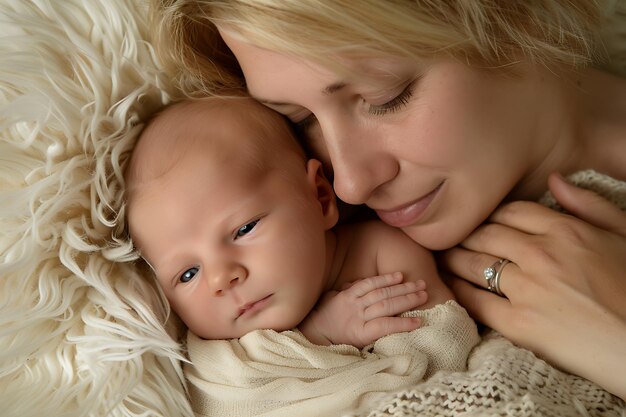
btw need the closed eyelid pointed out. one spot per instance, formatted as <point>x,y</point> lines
<point>400,100</point>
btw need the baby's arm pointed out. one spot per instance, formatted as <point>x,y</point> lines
<point>364,311</point>
<point>398,252</point>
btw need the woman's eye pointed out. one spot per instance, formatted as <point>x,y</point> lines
<point>189,274</point>
<point>245,229</point>
<point>394,104</point>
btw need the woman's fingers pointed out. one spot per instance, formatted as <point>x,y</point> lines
<point>471,265</point>
<point>566,279</point>
<point>488,308</point>
<point>527,216</point>
<point>587,205</point>
<point>497,241</point>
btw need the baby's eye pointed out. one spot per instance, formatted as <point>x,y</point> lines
<point>245,229</point>
<point>189,274</point>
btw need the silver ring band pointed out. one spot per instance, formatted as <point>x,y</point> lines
<point>492,275</point>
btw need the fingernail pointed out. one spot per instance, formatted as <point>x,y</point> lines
<point>562,178</point>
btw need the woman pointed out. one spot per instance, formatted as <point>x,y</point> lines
<point>441,117</point>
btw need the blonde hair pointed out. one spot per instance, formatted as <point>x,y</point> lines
<point>493,33</point>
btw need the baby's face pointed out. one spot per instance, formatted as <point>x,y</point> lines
<point>236,245</point>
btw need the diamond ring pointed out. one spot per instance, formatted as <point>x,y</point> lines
<point>492,275</point>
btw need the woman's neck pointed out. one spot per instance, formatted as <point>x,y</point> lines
<point>603,124</point>
<point>582,126</point>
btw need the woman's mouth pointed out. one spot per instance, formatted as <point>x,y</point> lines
<point>410,213</point>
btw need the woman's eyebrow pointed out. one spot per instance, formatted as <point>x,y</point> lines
<point>332,88</point>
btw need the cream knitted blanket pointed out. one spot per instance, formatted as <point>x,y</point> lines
<point>505,380</point>
<point>266,373</point>
<point>272,373</point>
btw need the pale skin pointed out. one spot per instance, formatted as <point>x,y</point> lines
<point>438,149</point>
<point>239,229</point>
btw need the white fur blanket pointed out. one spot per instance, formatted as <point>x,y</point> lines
<point>81,334</point>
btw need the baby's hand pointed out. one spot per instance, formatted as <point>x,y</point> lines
<point>365,311</point>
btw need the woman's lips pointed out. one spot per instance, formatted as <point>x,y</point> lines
<point>410,213</point>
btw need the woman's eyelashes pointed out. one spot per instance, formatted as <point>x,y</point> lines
<point>395,103</point>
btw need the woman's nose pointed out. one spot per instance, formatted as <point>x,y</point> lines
<point>226,276</point>
<point>360,162</point>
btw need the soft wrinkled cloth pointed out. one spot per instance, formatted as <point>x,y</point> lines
<point>273,373</point>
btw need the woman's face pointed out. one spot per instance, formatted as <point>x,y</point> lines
<point>433,147</point>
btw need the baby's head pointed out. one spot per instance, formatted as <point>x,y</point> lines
<point>230,215</point>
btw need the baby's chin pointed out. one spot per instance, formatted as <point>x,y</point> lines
<point>277,325</point>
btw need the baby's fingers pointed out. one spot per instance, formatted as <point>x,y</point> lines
<point>391,306</point>
<point>361,287</point>
<point>383,326</point>
<point>379,294</point>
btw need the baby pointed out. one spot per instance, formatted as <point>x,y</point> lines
<point>241,232</point>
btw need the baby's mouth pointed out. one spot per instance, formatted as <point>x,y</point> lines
<point>253,307</point>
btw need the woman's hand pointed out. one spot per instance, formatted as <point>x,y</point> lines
<point>565,288</point>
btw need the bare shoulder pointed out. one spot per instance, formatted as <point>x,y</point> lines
<point>394,251</point>
<point>377,236</point>
<point>369,238</point>
<point>373,230</point>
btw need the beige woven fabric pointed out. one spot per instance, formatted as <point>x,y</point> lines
<point>502,380</point>
<point>272,373</point>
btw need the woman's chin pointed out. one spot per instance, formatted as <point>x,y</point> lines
<point>434,237</point>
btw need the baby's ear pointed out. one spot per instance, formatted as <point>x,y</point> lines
<point>324,192</point>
